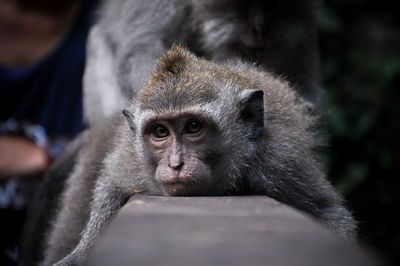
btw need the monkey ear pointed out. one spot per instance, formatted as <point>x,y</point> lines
<point>251,107</point>
<point>129,118</point>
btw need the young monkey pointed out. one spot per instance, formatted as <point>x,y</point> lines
<point>196,128</point>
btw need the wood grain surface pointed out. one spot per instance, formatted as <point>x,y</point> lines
<point>194,231</point>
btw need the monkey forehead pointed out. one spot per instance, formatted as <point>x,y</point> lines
<point>205,112</point>
<point>171,97</point>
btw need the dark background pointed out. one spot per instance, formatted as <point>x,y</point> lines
<point>359,45</point>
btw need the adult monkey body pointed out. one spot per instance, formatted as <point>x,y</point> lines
<point>130,34</point>
<point>196,128</point>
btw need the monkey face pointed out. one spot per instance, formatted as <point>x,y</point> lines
<point>182,148</point>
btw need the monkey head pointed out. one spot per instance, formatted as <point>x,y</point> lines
<point>181,147</point>
<point>193,132</point>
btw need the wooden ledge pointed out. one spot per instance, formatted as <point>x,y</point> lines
<point>198,231</point>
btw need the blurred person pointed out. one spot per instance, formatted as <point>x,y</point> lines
<point>42,56</point>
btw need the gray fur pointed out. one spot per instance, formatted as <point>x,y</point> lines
<point>265,147</point>
<point>278,35</point>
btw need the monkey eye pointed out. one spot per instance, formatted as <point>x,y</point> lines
<point>159,131</point>
<point>193,126</point>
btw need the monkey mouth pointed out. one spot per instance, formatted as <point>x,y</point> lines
<point>179,181</point>
<point>179,187</point>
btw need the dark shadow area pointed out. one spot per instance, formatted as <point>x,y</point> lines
<point>360,57</point>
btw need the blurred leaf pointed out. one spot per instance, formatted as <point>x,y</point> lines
<point>355,175</point>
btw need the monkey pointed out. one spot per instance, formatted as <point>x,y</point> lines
<point>129,35</point>
<point>197,127</point>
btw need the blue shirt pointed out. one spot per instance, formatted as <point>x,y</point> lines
<point>49,92</point>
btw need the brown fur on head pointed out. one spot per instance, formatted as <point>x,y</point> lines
<point>172,85</point>
<point>181,79</point>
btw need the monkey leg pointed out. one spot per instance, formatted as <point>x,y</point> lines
<point>340,219</point>
<point>122,50</point>
<point>308,191</point>
<point>320,199</point>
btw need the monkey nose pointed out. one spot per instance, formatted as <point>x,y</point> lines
<point>176,165</point>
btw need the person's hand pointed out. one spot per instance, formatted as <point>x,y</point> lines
<point>19,156</point>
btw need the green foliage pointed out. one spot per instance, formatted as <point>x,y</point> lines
<point>361,69</point>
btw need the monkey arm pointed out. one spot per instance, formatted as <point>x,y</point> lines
<point>107,201</point>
